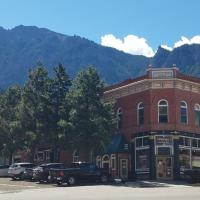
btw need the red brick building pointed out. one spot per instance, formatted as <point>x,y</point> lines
<point>159,125</point>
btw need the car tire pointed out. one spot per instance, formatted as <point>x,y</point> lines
<point>14,178</point>
<point>71,180</point>
<point>104,178</point>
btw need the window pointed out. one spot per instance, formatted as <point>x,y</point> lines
<point>184,159</point>
<point>184,141</point>
<point>106,162</point>
<point>98,161</point>
<point>196,158</point>
<point>75,156</point>
<point>119,118</point>
<point>197,115</point>
<point>113,162</point>
<point>163,111</point>
<point>142,142</point>
<point>183,112</point>
<point>140,113</point>
<point>142,159</point>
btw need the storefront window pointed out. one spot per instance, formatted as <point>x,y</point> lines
<point>196,158</point>
<point>184,141</point>
<point>142,159</point>
<point>194,143</point>
<point>184,158</point>
<point>142,141</point>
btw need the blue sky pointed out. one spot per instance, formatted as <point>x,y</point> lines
<point>159,22</point>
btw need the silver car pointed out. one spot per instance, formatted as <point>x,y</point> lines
<point>4,170</point>
<point>16,170</point>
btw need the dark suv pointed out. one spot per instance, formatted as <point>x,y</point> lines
<point>41,173</point>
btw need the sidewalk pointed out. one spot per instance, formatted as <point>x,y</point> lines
<point>151,184</point>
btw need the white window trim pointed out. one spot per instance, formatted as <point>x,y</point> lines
<point>113,157</point>
<point>186,111</point>
<point>139,108</point>
<point>159,111</point>
<point>145,170</point>
<point>76,157</point>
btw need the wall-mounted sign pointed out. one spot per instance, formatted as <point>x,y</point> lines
<point>162,74</point>
<point>164,140</point>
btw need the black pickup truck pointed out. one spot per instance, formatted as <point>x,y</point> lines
<point>78,172</point>
<point>193,174</point>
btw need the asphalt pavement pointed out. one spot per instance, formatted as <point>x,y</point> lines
<point>141,190</point>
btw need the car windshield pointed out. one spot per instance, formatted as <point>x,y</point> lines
<point>27,165</point>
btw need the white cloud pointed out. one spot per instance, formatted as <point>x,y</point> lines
<point>130,44</point>
<point>164,46</point>
<point>184,40</point>
<point>136,45</point>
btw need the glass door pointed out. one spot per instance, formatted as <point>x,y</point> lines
<point>164,168</point>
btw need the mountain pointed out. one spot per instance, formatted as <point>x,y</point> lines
<point>23,46</point>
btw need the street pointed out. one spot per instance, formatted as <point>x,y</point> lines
<point>21,190</point>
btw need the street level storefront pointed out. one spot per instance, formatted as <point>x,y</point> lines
<point>159,117</point>
<point>164,155</point>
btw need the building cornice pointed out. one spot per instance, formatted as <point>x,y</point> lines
<point>148,84</point>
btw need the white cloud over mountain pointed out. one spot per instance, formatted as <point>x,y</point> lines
<point>135,45</point>
<point>130,44</point>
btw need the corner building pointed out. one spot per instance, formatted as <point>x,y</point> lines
<point>159,123</point>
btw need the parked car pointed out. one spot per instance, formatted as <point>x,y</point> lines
<point>4,170</point>
<point>41,173</point>
<point>16,170</point>
<point>28,174</point>
<point>193,174</point>
<point>79,172</point>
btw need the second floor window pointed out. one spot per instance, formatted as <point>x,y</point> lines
<point>197,115</point>
<point>140,113</point>
<point>183,112</point>
<point>163,111</point>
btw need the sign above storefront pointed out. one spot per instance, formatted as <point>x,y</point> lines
<point>163,140</point>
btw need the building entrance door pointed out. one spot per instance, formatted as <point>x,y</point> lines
<point>164,168</point>
<point>124,168</point>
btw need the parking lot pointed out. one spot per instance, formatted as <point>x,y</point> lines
<point>21,190</point>
<point>7,185</point>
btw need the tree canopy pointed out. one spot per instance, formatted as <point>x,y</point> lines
<point>55,112</point>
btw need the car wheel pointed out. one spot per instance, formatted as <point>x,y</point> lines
<point>71,180</point>
<point>14,178</point>
<point>104,178</point>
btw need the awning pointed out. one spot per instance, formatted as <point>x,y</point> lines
<point>118,144</point>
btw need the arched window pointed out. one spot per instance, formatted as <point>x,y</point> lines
<point>183,112</point>
<point>76,156</point>
<point>163,111</point>
<point>197,115</point>
<point>98,161</point>
<point>106,161</point>
<point>140,113</point>
<point>119,118</point>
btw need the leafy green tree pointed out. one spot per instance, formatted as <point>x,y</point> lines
<point>92,120</point>
<point>58,118</point>
<point>10,126</point>
<point>34,110</point>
